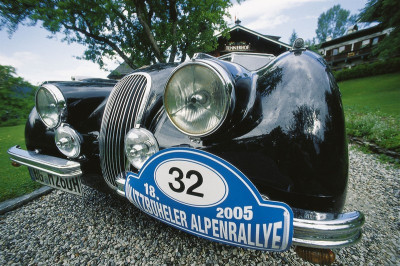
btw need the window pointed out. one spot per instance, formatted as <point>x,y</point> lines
<point>356,46</point>
<point>341,49</point>
<point>364,43</point>
<point>335,51</point>
<point>375,40</point>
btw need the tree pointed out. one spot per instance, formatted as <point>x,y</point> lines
<point>293,37</point>
<point>16,97</point>
<point>312,45</point>
<point>141,32</point>
<point>334,22</point>
<point>386,12</point>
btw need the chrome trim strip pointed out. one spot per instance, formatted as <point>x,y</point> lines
<point>114,123</point>
<point>121,186</point>
<point>246,53</point>
<point>111,118</point>
<point>128,89</point>
<point>49,164</point>
<point>145,98</point>
<point>326,230</point>
<point>124,110</point>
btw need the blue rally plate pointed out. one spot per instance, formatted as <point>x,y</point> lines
<point>202,194</point>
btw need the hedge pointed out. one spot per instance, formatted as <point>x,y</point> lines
<point>372,69</point>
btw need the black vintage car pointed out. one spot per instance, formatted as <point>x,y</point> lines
<point>277,122</point>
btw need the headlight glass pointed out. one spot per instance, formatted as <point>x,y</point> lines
<point>68,141</point>
<point>196,99</point>
<point>50,103</point>
<point>140,144</point>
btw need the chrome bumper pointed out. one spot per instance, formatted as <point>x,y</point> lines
<point>50,164</point>
<point>311,229</point>
<point>326,230</point>
<point>315,229</point>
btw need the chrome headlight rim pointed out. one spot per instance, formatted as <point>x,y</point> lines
<point>60,102</point>
<point>228,85</point>
<point>149,141</point>
<point>74,138</point>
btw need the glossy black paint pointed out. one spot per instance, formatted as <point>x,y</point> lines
<point>86,102</point>
<point>159,75</point>
<point>302,131</point>
<point>286,132</point>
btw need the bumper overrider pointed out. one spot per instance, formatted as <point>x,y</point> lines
<point>311,229</point>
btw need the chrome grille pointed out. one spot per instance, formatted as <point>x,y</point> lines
<point>123,112</point>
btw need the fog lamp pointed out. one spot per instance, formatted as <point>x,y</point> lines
<point>68,141</point>
<point>140,144</point>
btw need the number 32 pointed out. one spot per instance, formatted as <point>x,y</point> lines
<point>181,185</point>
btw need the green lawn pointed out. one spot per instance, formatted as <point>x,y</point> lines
<point>375,93</point>
<point>372,109</point>
<point>14,181</point>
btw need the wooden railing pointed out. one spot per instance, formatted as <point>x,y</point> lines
<point>349,54</point>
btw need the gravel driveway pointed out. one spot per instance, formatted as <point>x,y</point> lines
<point>101,229</point>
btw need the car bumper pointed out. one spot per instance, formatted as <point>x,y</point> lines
<point>326,230</point>
<point>311,229</point>
<point>49,164</point>
<point>316,229</point>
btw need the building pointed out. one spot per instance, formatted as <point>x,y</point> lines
<point>353,48</point>
<point>243,39</point>
<point>121,71</point>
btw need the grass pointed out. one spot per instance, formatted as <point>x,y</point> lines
<point>14,182</point>
<point>372,109</point>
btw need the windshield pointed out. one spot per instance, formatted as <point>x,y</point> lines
<point>248,60</point>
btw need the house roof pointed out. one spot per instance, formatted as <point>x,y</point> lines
<point>353,35</point>
<point>121,71</point>
<point>271,38</point>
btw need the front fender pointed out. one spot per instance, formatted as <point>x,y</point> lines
<point>298,151</point>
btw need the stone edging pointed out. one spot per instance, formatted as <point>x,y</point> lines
<point>12,204</point>
<point>375,148</point>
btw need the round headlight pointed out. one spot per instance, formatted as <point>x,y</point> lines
<point>68,141</point>
<point>140,144</point>
<point>197,99</point>
<point>50,104</point>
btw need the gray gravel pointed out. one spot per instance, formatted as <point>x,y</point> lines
<point>100,229</point>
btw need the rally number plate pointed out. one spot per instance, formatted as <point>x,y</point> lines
<point>202,194</point>
<point>72,184</point>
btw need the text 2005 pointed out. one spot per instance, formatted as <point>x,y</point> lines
<point>237,213</point>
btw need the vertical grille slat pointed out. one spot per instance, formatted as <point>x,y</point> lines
<point>119,126</point>
<point>124,105</point>
<point>119,94</point>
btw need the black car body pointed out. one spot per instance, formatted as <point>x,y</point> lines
<point>283,129</point>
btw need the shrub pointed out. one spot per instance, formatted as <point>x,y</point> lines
<point>372,69</point>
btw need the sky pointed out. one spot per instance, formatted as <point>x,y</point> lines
<point>38,58</point>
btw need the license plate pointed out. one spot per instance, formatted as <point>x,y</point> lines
<point>71,184</point>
